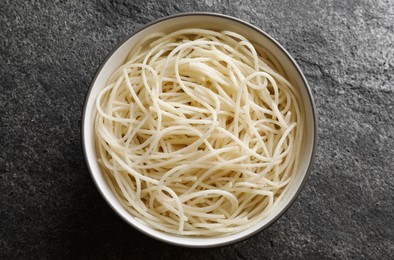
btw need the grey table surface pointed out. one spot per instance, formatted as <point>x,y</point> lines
<point>50,51</point>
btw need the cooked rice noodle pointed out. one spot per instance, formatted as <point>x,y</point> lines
<point>199,132</point>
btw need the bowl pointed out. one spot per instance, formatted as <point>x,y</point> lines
<point>216,22</point>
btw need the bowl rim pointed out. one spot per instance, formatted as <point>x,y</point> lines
<point>293,62</point>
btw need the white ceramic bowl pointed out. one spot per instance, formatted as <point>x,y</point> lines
<point>216,22</point>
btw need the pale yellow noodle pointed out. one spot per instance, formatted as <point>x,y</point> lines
<point>199,132</point>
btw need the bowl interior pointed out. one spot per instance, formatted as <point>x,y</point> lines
<point>208,21</point>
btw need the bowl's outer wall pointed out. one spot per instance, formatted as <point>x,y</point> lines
<point>216,22</point>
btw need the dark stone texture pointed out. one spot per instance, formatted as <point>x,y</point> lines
<point>50,50</point>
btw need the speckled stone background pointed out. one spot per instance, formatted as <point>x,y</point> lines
<point>49,206</point>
